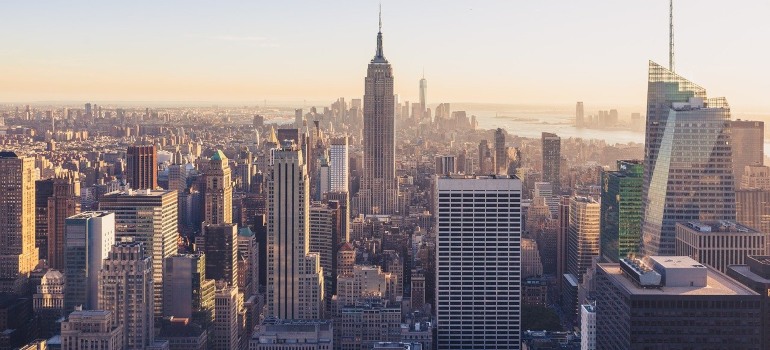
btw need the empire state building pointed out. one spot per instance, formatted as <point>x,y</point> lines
<point>379,187</point>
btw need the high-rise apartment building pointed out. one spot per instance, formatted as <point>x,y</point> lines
<point>148,217</point>
<point>501,154</point>
<point>219,191</point>
<point>748,140</point>
<point>478,222</point>
<point>688,172</point>
<point>718,244</point>
<point>89,237</point>
<point>63,203</point>
<point>551,144</point>
<point>142,167</point>
<point>583,235</point>
<point>673,302</point>
<point>18,254</point>
<point>621,210</point>
<point>379,186</point>
<point>340,168</point>
<point>294,274</point>
<point>126,290</point>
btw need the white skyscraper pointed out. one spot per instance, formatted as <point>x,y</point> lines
<point>339,159</point>
<point>478,250</point>
<point>294,275</point>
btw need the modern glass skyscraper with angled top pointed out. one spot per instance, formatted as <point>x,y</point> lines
<point>688,159</point>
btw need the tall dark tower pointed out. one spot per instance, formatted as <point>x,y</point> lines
<point>142,164</point>
<point>379,193</point>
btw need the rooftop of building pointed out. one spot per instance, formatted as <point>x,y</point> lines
<point>245,232</point>
<point>721,226</point>
<point>218,155</point>
<point>477,177</point>
<point>716,282</point>
<point>745,271</point>
<point>90,214</point>
<point>139,193</point>
<point>589,307</point>
<point>178,328</point>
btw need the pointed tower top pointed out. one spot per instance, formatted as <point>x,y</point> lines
<point>671,35</point>
<point>380,31</point>
<point>379,57</point>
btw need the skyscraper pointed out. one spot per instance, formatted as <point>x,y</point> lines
<point>423,94</point>
<point>294,275</point>
<point>88,238</point>
<point>486,159</point>
<point>61,205</point>
<point>621,210</point>
<point>126,290</point>
<point>579,116</point>
<point>149,217</point>
<point>225,333</point>
<point>220,244</point>
<point>583,235</point>
<point>748,139</point>
<point>379,187</point>
<point>501,156</point>
<point>185,286</point>
<point>552,160</point>
<point>18,255</point>
<point>479,231</point>
<point>339,159</point>
<point>142,167</point>
<point>688,173</point>
<point>219,191</point>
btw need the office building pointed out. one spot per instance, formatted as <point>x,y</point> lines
<point>225,333</point>
<point>346,259</point>
<point>219,191</point>
<point>423,94</point>
<point>588,327</point>
<point>379,187</point>
<point>362,325</point>
<point>181,334</point>
<point>325,239</point>
<point>579,115</point>
<point>753,210</point>
<point>92,330</point>
<point>177,177</point>
<point>274,334</point>
<point>551,144</point>
<point>294,274</point>
<point>343,200</point>
<point>478,222</point>
<point>48,303</point>
<point>126,290</point>
<point>148,217</point>
<point>583,235</point>
<point>755,274</point>
<point>530,258</point>
<point>43,191</point>
<point>340,165</point>
<point>699,163</point>
<point>63,203</point>
<point>89,237</point>
<point>188,291</point>
<point>142,167</point>
<point>446,165</point>
<point>748,140</point>
<point>486,159</point>
<point>501,154</point>
<point>248,263</point>
<point>673,302</point>
<point>718,244</point>
<point>220,244</point>
<point>18,254</point>
<point>365,282</point>
<point>621,210</point>
<point>755,176</point>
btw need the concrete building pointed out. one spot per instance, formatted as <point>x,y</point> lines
<point>142,167</point>
<point>218,200</point>
<point>583,236</point>
<point>748,140</point>
<point>248,262</point>
<point>501,155</point>
<point>755,274</point>
<point>274,334</point>
<point>360,326</point>
<point>18,254</point>
<point>225,327</point>
<point>346,259</point>
<point>189,293</point>
<point>91,330</point>
<point>551,144</point>
<point>674,302</point>
<point>325,238</point>
<point>148,217</point>
<point>126,290</point>
<point>295,281</point>
<point>699,163</point>
<point>63,203</point>
<point>48,303</point>
<point>478,222</point>
<point>445,165</point>
<point>530,259</point>
<point>755,177</point>
<point>339,158</point>
<point>181,334</point>
<point>621,210</point>
<point>718,244</point>
<point>89,237</point>
<point>365,282</point>
<point>220,244</point>
<point>587,327</point>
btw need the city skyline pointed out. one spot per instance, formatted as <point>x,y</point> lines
<point>244,52</point>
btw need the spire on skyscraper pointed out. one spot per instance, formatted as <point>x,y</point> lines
<point>671,35</point>
<point>379,56</point>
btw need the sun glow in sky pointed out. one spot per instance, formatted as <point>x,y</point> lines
<point>522,52</point>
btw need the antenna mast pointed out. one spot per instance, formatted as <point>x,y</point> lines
<point>671,35</point>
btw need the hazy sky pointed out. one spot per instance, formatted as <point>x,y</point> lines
<point>523,52</point>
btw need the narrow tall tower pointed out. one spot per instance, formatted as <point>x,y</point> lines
<point>379,189</point>
<point>671,35</point>
<point>219,191</point>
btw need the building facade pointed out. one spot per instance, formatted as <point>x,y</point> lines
<point>621,210</point>
<point>551,144</point>
<point>89,237</point>
<point>142,167</point>
<point>718,244</point>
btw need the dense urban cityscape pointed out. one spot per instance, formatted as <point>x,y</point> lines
<point>376,223</point>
